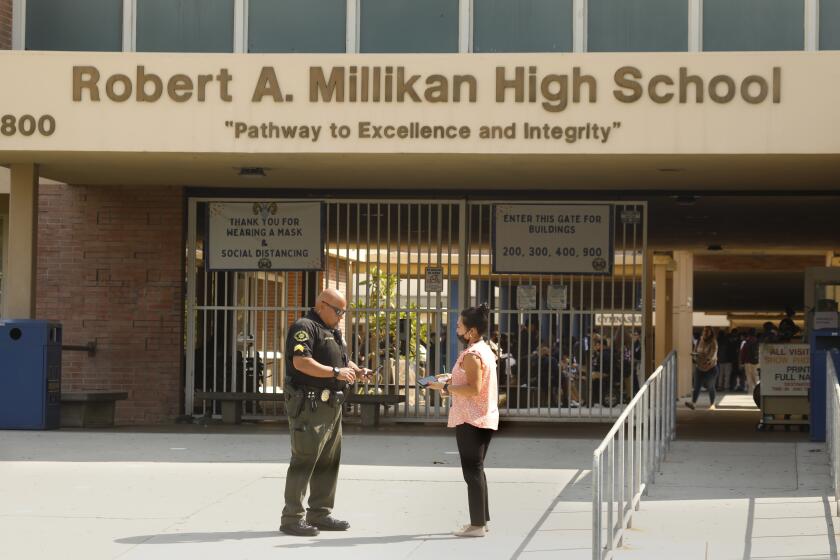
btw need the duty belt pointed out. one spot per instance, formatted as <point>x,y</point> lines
<point>317,395</point>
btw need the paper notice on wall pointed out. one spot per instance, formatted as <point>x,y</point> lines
<point>526,297</point>
<point>434,279</point>
<point>557,296</point>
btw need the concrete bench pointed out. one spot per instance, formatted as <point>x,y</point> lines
<point>232,402</point>
<point>89,409</point>
<point>370,405</point>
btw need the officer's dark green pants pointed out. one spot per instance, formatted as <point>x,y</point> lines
<point>316,454</point>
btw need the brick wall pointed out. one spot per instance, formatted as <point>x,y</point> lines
<point>5,24</point>
<point>110,268</point>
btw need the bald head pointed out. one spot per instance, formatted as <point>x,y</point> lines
<point>330,306</point>
<point>333,296</point>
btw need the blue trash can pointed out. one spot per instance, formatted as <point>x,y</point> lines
<point>30,374</point>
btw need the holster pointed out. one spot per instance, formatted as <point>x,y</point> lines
<point>337,398</point>
<point>295,399</point>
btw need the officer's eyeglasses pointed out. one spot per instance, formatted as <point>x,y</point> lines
<point>339,312</point>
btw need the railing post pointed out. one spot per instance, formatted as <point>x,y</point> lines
<point>661,419</point>
<point>651,474</point>
<point>644,431</point>
<point>646,440</point>
<point>657,422</point>
<point>833,426</point>
<point>637,459</point>
<point>668,407</point>
<point>672,375</point>
<point>610,480</point>
<point>596,507</point>
<point>621,472</point>
<point>832,421</point>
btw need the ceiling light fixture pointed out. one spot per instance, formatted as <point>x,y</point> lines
<point>252,172</point>
<point>686,199</point>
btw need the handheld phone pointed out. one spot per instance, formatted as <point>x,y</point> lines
<point>372,372</point>
<point>424,381</point>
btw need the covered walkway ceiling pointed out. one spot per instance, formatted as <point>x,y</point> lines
<point>739,202</point>
<point>671,173</point>
<point>755,222</point>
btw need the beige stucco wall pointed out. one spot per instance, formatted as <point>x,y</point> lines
<point>4,180</point>
<point>803,121</point>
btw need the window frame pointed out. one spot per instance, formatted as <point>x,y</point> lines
<point>465,25</point>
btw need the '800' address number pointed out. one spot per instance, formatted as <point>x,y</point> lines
<point>27,125</point>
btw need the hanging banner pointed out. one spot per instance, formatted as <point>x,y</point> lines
<point>265,236</point>
<point>785,369</point>
<point>552,239</point>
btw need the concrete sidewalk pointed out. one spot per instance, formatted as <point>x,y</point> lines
<point>193,492</point>
<point>725,500</point>
<point>132,495</point>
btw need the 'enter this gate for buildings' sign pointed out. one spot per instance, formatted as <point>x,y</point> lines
<point>265,236</point>
<point>552,239</point>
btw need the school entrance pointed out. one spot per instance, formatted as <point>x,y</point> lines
<point>571,342</point>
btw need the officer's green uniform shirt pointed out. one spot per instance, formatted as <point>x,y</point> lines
<point>310,337</point>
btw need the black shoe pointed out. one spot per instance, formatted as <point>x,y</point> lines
<point>330,523</point>
<point>299,529</point>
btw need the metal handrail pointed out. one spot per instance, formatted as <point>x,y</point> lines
<point>642,435</point>
<point>832,422</point>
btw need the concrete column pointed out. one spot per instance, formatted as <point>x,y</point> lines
<point>19,282</point>
<point>647,316</point>
<point>663,340</point>
<point>454,303</point>
<point>683,310</point>
<point>4,240</point>
<point>832,260</point>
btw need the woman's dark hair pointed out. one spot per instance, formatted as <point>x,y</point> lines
<point>477,318</point>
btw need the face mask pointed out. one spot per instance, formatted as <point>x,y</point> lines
<point>463,339</point>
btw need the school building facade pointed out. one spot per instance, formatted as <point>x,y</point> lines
<point>555,158</point>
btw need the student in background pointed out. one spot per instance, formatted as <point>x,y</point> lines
<point>706,367</point>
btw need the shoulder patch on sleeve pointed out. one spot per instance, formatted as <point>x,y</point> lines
<point>301,336</point>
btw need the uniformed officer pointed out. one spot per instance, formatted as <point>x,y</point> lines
<point>318,372</point>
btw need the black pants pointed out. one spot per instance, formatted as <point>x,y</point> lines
<point>472,446</point>
<point>705,379</point>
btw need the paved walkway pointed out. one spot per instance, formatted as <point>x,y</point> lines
<point>187,492</point>
<point>727,500</point>
<point>727,492</point>
<point>135,495</point>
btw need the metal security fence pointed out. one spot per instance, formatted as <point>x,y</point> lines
<point>395,261</point>
<point>629,456</point>
<point>407,267</point>
<point>571,346</point>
